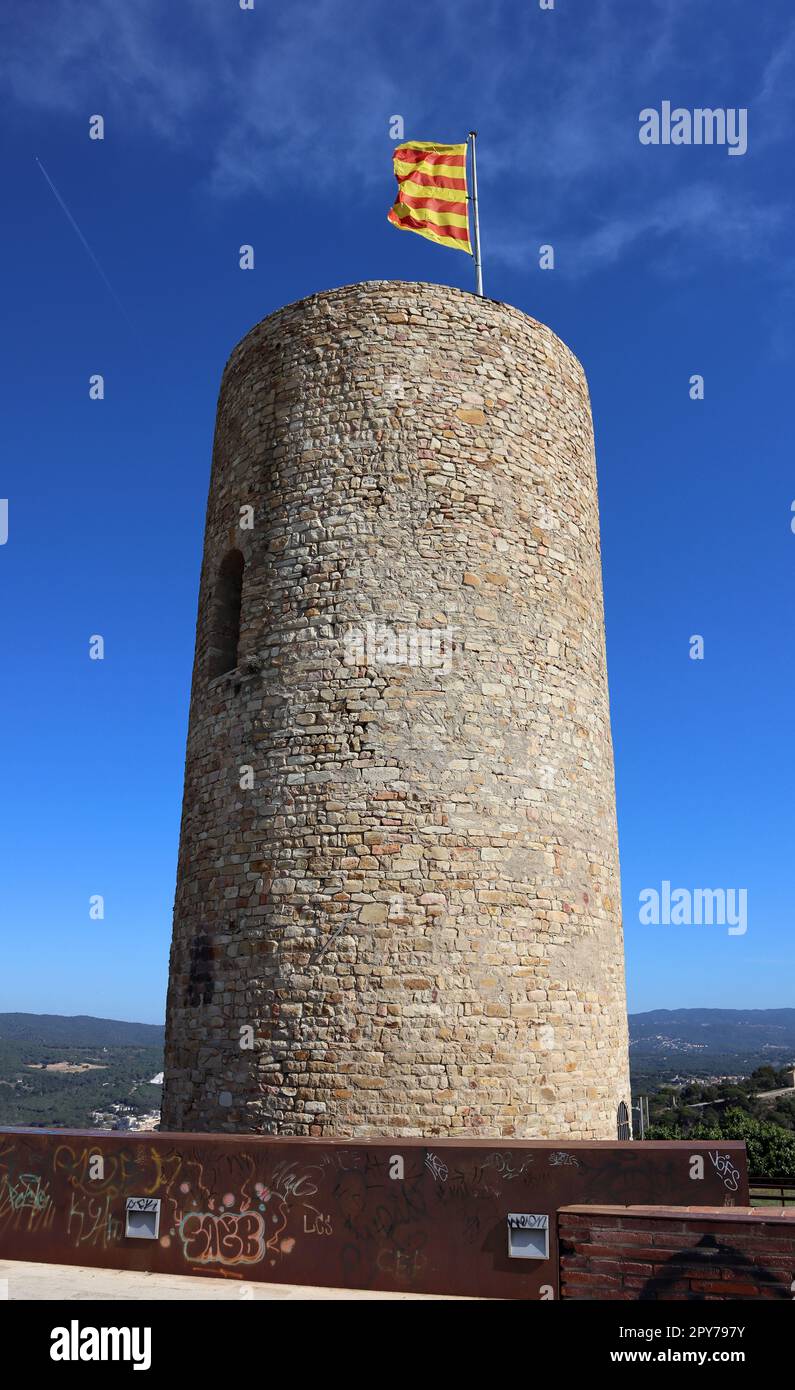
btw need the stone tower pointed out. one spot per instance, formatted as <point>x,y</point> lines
<point>398,906</point>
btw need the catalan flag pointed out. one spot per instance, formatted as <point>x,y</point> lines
<point>432,192</point>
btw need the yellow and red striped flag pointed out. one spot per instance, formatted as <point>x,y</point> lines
<point>432,192</point>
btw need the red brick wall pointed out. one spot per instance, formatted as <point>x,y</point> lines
<point>698,1253</point>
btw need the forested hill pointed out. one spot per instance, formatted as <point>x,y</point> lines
<point>703,1042</point>
<point>60,1030</point>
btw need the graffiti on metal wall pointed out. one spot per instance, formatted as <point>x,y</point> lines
<point>419,1218</point>
<point>723,1165</point>
<point>25,1202</point>
<point>25,1197</point>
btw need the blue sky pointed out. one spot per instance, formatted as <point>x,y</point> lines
<point>271,127</point>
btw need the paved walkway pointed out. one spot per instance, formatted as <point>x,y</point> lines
<point>28,1281</point>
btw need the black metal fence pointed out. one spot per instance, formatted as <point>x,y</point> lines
<point>772,1192</point>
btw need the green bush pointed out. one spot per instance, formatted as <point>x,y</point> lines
<point>771,1149</point>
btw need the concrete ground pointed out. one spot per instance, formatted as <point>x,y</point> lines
<point>20,1280</point>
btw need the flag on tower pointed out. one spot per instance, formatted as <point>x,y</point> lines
<point>432,192</point>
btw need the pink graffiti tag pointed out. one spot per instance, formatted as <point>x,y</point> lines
<point>228,1238</point>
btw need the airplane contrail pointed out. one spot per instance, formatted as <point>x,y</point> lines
<point>85,243</point>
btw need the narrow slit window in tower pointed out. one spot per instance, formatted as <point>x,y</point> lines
<point>225,632</point>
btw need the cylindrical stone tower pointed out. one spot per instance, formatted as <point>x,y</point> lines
<point>398,906</point>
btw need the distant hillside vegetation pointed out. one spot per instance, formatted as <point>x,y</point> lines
<point>664,1043</point>
<point>58,1030</point>
<point>707,1042</point>
<point>729,1030</point>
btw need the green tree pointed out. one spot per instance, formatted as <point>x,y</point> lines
<point>771,1149</point>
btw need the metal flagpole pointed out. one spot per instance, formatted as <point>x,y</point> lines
<point>478,268</point>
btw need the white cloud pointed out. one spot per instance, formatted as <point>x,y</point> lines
<point>711,217</point>
<point>295,97</point>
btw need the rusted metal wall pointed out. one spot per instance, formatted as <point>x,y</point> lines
<point>377,1214</point>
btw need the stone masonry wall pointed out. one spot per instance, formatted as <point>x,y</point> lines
<point>405,918</point>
